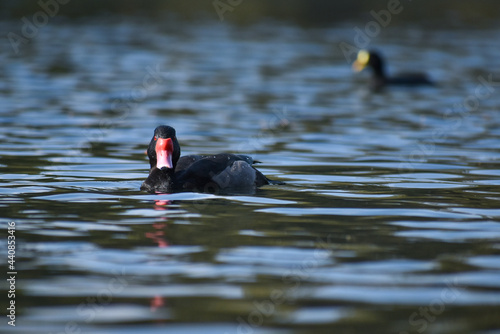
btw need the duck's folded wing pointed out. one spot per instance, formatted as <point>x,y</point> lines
<point>221,171</point>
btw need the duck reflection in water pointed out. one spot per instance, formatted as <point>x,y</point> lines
<point>158,237</point>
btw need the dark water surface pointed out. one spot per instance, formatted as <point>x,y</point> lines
<point>389,221</point>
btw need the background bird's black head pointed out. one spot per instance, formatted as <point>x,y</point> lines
<point>372,59</point>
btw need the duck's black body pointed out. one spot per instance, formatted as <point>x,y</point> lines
<point>379,77</point>
<point>211,173</point>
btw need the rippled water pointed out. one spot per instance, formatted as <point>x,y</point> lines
<point>389,221</point>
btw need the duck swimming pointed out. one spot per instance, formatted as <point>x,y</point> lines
<point>370,58</point>
<point>170,172</point>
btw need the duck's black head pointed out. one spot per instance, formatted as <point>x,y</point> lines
<point>372,59</point>
<point>164,149</point>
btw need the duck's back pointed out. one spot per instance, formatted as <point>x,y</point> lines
<point>216,172</point>
<point>410,79</point>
